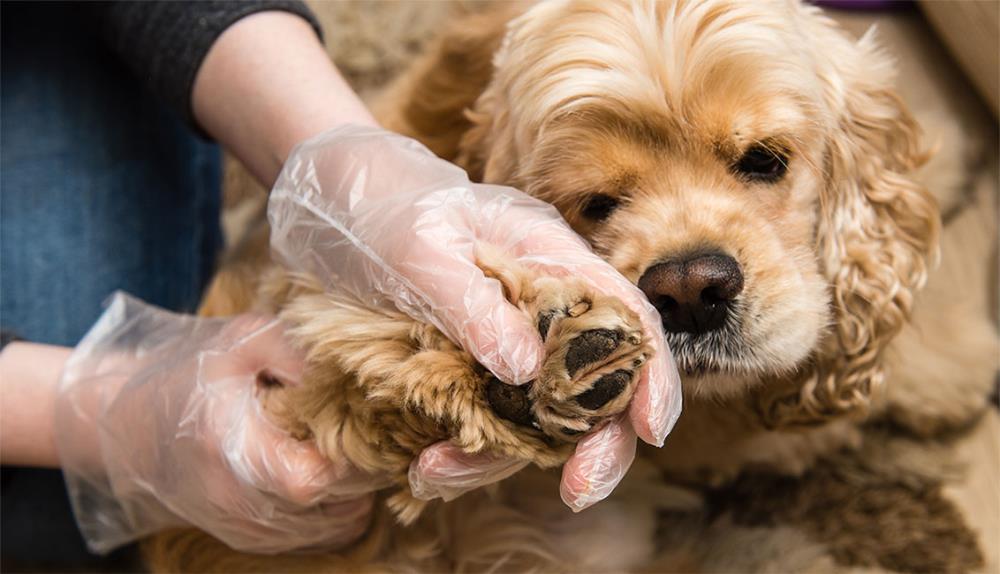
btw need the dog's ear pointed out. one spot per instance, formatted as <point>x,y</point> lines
<point>877,228</point>
<point>432,101</point>
<point>489,123</point>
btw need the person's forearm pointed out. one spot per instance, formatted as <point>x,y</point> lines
<point>29,377</point>
<point>266,85</point>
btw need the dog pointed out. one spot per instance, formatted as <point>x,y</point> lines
<point>748,165</point>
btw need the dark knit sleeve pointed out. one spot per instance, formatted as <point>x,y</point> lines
<point>165,42</point>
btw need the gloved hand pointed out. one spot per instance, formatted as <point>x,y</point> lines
<point>378,215</point>
<point>158,424</point>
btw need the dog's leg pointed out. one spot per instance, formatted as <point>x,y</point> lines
<point>594,348</point>
<point>380,387</point>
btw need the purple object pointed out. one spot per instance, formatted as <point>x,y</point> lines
<point>863,4</point>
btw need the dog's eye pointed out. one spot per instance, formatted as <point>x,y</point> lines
<point>599,206</point>
<point>762,164</point>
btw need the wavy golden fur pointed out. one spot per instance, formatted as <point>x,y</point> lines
<point>547,122</point>
<point>650,103</point>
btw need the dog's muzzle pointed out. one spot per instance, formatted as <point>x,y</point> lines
<point>693,294</point>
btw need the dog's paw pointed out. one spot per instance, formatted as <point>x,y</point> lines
<point>594,351</point>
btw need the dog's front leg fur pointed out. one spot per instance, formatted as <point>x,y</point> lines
<point>380,387</point>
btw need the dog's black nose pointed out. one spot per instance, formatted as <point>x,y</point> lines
<point>693,295</point>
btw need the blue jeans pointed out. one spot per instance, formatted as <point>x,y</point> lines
<point>101,188</point>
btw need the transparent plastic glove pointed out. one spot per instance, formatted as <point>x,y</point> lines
<point>380,216</point>
<point>158,424</point>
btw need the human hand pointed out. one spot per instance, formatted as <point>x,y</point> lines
<point>378,215</point>
<point>158,424</point>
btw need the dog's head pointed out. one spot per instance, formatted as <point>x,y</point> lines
<point>744,163</point>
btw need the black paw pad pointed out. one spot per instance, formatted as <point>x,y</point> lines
<point>605,389</point>
<point>267,380</point>
<point>510,402</point>
<point>591,347</point>
<point>544,323</point>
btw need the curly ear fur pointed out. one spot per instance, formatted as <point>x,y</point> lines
<point>877,232</point>
<point>432,101</point>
